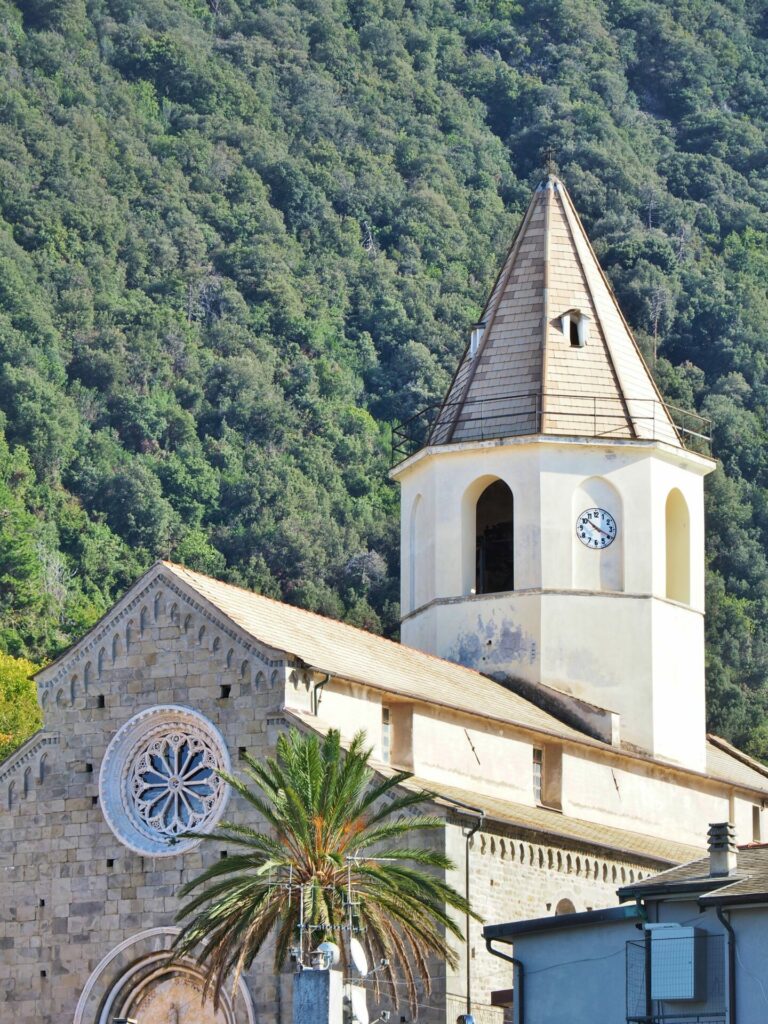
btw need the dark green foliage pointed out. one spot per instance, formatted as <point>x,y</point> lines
<point>238,240</point>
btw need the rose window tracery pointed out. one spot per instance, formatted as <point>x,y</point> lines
<point>160,780</point>
<point>175,783</point>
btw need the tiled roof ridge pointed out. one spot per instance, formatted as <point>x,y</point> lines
<point>337,622</point>
<point>190,576</point>
<point>609,287</point>
<point>523,816</point>
<point>487,316</point>
<point>574,224</point>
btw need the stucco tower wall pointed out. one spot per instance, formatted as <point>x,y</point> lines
<point>596,624</point>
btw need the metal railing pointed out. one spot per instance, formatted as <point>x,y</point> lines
<point>515,415</point>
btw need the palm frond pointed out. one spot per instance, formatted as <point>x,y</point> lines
<point>327,821</point>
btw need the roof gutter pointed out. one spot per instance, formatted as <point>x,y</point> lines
<point>692,887</point>
<point>609,915</point>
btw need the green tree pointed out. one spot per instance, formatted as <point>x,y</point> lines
<point>328,818</point>
<point>19,711</point>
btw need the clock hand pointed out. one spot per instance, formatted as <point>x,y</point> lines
<point>594,526</point>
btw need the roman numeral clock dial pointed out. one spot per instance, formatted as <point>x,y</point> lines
<point>596,528</point>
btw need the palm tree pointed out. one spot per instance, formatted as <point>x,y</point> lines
<point>332,859</point>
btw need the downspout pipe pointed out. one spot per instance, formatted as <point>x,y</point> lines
<point>316,693</point>
<point>519,979</point>
<point>458,806</point>
<point>731,964</point>
<point>470,832</point>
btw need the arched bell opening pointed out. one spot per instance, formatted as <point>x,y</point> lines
<point>494,540</point>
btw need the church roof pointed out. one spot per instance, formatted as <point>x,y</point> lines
<point>353,654</point>
<point>525,376</point>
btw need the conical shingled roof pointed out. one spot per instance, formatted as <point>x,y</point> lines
<point>526,376</point>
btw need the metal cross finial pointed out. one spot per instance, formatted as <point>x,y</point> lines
<point>549,160</point>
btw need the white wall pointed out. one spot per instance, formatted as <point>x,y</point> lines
<point>499,765</point>
<point>631,795</point>
<point>596,624</point>
<point>642,801</point>
<point>576,975</point>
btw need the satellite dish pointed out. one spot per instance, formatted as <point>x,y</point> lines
<point>357,996</point>
<point>359,959</point>
<point>331,952</point>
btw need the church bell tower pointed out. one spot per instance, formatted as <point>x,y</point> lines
<point>553,520</point>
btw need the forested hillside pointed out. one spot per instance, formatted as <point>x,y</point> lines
<point>239,240</point>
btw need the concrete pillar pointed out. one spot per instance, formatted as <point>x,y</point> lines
<point>317,997</point>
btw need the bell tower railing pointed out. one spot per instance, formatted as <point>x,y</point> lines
<point>582,415</point>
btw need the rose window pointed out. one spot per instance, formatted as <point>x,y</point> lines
<point>160,780</point>
<point>174,783</point>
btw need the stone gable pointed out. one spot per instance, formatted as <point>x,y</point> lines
<point>71,889</point>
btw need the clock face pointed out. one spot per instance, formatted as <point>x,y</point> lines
<point>596,528</point>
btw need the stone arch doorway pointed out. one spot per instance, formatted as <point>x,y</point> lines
<point>135,980</point>
<point>169,996</point>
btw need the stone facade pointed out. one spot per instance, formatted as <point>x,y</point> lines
<point>516,875</point>
<point>71,890</point>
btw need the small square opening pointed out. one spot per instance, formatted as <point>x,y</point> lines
<point>100,703</point>
<point>224,691</point>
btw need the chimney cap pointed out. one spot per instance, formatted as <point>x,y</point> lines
<point>722,833</point>
<point>723,858</point>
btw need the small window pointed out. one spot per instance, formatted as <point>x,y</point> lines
<point>538,762</point>
<point>756,829</point>
<point>575,327</point>
<point>476,338</point>
<point>564,906</point>
<point>386,735</point>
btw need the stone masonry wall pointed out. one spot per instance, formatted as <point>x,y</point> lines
<point>70,891</point>
<point>517,875</point>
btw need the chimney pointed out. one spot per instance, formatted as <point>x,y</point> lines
<point>722,849</point>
